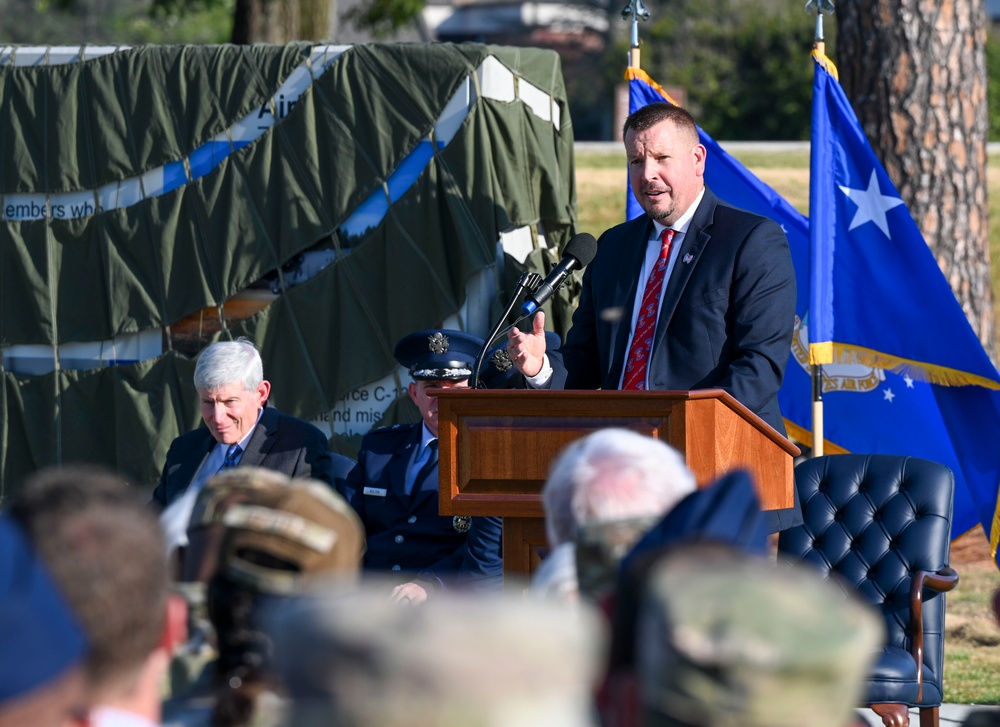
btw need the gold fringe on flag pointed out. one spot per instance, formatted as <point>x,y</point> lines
<point>637,74</point>
<point>827,64</point>
<point>917,370</point>
<point>995,531</point>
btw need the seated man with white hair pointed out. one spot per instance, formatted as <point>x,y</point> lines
<point>613,480</point>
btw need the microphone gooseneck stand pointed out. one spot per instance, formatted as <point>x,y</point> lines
<point>528,283</point>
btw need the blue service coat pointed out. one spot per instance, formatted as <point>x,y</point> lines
<point>406,533</point>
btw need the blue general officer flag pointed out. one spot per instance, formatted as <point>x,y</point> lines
<point>908,375</point>
<point>877,296</point>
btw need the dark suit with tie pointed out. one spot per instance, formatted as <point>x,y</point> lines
<point>406,533</point>
<point>279,442</point>
<point>725,321</point>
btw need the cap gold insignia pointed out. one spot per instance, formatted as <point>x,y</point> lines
<point>437,343</point>
<point>461,523</point>
<point>501,360</point>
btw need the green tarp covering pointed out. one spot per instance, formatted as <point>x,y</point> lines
<point>149,264</point>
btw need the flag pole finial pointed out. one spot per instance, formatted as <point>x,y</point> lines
<point>636,10</point>
<point>821,8</point>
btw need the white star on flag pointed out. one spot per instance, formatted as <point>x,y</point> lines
<point>872,204</point>
<point>888,396</point>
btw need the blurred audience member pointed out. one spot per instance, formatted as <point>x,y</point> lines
<point>727,639</point>
<point>727,511</point>
<point>41,679</point>
<point>604,490</point>
<point>259,538</point>
<point>354,659</point>
<point>106,552</point>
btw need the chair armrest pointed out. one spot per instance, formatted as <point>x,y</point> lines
<point>941,581</point>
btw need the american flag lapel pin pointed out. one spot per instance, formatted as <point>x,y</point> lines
<point>688,258</point>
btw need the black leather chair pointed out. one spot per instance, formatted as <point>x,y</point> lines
<point>882,525</point>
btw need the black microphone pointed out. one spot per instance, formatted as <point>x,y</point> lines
<point>577,255</point>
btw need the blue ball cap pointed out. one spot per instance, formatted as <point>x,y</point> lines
<point>40,636</point>
<point>439,354</point>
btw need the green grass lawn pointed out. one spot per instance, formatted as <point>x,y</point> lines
<point>972,651</point>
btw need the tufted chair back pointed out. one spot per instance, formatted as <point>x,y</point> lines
<point>882,525</point>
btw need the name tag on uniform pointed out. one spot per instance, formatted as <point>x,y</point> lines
<point>377,491</point>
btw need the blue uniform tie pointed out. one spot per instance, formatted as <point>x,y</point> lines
<point>428,466</point>
<point>232,456</point>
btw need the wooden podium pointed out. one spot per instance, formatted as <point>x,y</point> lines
<point>496,446</point>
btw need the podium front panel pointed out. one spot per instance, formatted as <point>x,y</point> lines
<point>504,461</point>
<point>497,446</point>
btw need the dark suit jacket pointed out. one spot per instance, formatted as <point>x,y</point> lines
<point>280,442</point>
<point>406,533</point>
<point>725,320</point>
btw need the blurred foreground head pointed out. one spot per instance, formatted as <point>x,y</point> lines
<point>258,537</point>
<point>41,645</point>
<point>270,533</point>
<point>355,659</point>
<point>106,552</point>
<point>603,493</point>
<point>727,639</point>
<point>612,475</point>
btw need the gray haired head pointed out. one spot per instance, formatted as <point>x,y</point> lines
<point>229,362</point>
<point>609,475</point>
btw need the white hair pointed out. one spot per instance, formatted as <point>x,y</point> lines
<point>229,362</point>
<point>612,474</point>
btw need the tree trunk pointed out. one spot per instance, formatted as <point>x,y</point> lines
<point>915,71</point>
<point>281,21</point>
<point>263,21</point>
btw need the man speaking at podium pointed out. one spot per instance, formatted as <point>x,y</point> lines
<point>695,294</point>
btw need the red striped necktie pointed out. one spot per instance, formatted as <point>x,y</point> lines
<point>645,325</point>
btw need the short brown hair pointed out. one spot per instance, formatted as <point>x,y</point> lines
<point>106,552</point>
<point>654,113</point>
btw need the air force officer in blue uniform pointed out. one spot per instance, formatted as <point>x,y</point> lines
<point>394,487</point>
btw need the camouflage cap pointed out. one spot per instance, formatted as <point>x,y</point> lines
<point>272,533</point>
<point>728,639</point>
<point>459,659</point>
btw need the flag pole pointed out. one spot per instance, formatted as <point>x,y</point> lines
<point>820,7</point>
<point>817,410</point>
<point>637,11</point>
